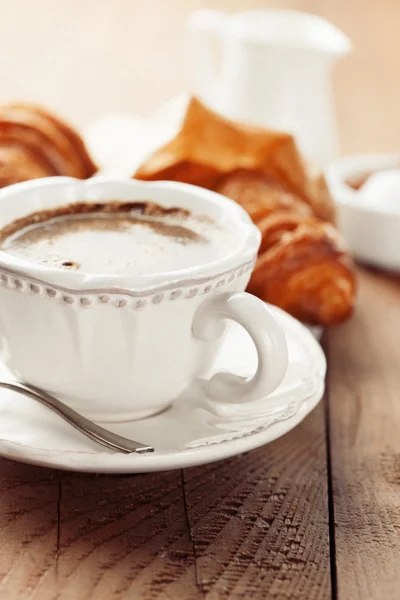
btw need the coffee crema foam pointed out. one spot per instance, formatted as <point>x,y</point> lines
<point>130,238</point>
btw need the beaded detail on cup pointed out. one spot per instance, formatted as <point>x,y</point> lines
<point>122,298</point>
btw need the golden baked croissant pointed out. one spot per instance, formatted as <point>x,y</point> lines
<point>307,273</point>
<point>261,195</point>
<point>302,266</point>
<point>209,146</point>
<point>34,143</point>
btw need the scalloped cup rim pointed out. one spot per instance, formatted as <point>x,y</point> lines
<point>99,188</point>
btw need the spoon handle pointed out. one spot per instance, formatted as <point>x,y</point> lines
<point>100,435</point>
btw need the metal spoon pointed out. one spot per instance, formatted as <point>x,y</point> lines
<point>91,430</point>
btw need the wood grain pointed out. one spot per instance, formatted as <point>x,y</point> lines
<point>363,383</point>
<point>124,537</point>
<point>242,528</point>
<point>28,529</point>
<point>254,526</point>
<point>259,523</point>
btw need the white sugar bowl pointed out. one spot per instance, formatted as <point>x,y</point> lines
<point>369,217</point>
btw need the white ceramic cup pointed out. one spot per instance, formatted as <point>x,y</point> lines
<point>117,347</point>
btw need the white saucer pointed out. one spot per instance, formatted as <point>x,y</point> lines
<point>186,434</point>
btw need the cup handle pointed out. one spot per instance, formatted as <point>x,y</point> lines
<point>225,390</point>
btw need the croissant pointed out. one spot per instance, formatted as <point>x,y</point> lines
<point>34,143</point>
<point>302,265</point>
<point>261,195</point>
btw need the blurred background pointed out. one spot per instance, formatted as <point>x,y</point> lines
<point>85,58</point>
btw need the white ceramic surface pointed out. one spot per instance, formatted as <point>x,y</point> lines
<point>187,434</point>
<point>273,70</point>
<point>371,229</point>
<point>116,347</point>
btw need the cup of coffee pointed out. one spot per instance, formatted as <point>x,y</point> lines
<point>114,294</point>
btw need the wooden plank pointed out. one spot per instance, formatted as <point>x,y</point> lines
<point>364,404</point>
<point>78,536</point>
<point>124,537</point>
<point>254,526</point>
<point>259,522</point>
<point>28,529</point>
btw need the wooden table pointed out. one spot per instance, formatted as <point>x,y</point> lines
<point>314,515</point>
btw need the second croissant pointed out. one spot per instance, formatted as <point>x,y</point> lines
<point>302,265</point>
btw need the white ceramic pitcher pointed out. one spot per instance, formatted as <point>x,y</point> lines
<point>274,71</point>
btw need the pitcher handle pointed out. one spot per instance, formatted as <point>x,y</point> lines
<point>225,390</point>
<point>203,29</point>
